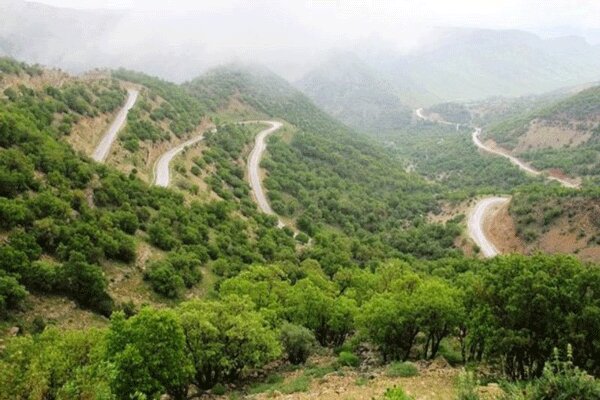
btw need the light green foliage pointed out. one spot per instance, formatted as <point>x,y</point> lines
<point>149,354</point>
<point>57,364</point>
<point>225,338</point>
<point>466,385</point>
<point>331,318</point>
<point>347,359</point>
<point>561,380</point>
<point>396,393</point>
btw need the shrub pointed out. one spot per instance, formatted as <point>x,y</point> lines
<point>164,280</point>
<point>562,380</point>
<point>298,342</point>
<point>466,386</point>
<point>302,238</point>
<point>348,359</point>
<point>219,389</point>
<point>396,393</point>
<point>402,369</point>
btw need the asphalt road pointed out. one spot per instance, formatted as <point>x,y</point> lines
<point>162,176</point>
<point>476,223</point>
<point>254,167</point>
<point>103,148</point>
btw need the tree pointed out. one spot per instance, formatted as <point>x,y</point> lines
<point>331,318</point>
<point>149,354</point>
<point>390,321</point>
<point>86,284</point>
<point>57,364</point>
<point>224,338</point>
<point>164,279</point>
<point>439,310</point>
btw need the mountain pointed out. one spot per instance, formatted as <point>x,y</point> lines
<point>467,64</point>
<point>264,91</point>
<point>564,134</point>
<point>351,91</point>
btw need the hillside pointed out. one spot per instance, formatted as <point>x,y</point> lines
<point>350,91</point>
<point>468,64</point>
<point>562,135</point>
<point>206,296</point>
<point>327,176</point>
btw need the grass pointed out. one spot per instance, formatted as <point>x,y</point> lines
<point>402,370</point>
<point>276,383</point>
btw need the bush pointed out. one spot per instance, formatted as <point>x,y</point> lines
<point>165,280</point>
<point>402,369</point>
<point>302,238</point>
<point>466,386</point>
<point>561,380</point>
<point>298,342</point>
<point>396,393</point>
<point>219,389</point>
<point>347,359</point>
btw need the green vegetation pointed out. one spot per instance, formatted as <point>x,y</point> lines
<point>373,272</point>
<point>402,369</point>
<point>578,112</point>
<point>164,110</point>
<point>449,157</point>
<point>396,393</point>
<point>536,208</point>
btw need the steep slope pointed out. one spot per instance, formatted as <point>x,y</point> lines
<point>465,64</point>
<point>350,91</point>
<point>326,176</point>
<point>75,230</point>
<point>563,135</point>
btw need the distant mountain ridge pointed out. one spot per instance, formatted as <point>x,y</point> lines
<point>467,64</point>
<point>351,91</point>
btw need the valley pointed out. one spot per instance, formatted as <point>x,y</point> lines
<point>354,219</point>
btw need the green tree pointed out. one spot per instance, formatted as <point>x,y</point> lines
<point>149,354</point>
<point>225,338</point>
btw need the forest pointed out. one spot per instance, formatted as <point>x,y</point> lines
<point>367,269</point>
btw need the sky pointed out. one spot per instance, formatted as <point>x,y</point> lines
<point>177,39</point>
<point>401,22</point>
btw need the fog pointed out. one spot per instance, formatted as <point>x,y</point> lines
<point>179,39</point>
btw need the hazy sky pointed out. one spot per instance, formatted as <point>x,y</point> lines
<point>180,38</point>
<point>351,19</point>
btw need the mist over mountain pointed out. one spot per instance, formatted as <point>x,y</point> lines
<point>351,91</point>
<point>452,64</point>
<point>465,64</point>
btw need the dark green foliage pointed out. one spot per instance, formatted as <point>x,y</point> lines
<point>297,341</point>
<point>12,293</point>
<point>164,279</point>
<point>86,284</point>
<point>179,110</point>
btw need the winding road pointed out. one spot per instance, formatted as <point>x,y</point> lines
<point>476,222</point>
<point>254,167</point>
<point>103,148</point>
<point>484,207</point>
<point>161,168</point>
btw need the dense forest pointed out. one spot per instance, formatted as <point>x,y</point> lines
<point>374,273</point>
